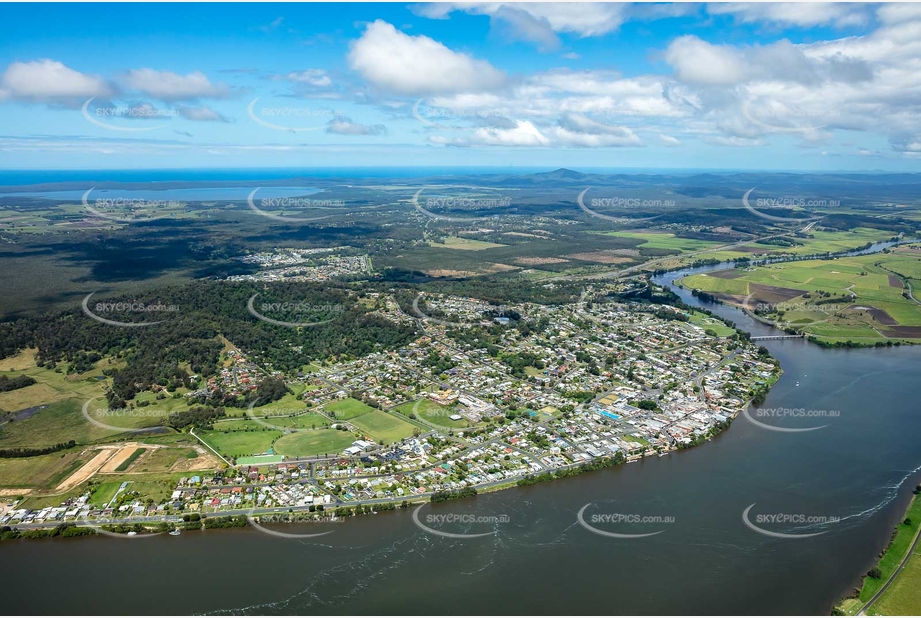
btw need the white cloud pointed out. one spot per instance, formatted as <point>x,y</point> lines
<point>800,14</point>
<point>169,86</point>
<point>668,140</point>
<point>342,125</point>
<point>583,132</point>
<point>581,18</point>
<point>50,81</point>
<point>417,65</point>
<point>201,114</point>
<point>524,133</point>
<point>311,77</point>
<point>699,62</point>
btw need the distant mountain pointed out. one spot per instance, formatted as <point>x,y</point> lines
<point>560,174</point>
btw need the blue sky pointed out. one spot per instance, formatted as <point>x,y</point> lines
<point>723,86</point>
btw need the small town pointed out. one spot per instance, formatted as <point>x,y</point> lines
<point>288,264</point>
<point>554,388</point>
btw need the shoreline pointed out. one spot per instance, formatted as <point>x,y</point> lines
<point>888,567</point>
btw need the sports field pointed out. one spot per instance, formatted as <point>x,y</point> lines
<point>319,442</point>
<point>436,414</point>
<point>347,409</point>
<point>384,427</point>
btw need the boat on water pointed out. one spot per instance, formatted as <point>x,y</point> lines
<point>132,533</point>
<point>175,532</point>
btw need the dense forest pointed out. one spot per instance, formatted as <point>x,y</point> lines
<point>185,344</point>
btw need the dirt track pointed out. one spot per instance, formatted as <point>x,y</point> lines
<point>119,458</point>
<point>87,470</point>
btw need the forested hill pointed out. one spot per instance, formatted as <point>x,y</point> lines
<point>189,320</point>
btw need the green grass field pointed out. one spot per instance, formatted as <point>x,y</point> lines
<point>42,471</point>
<point>432,412</point>
<point>903,597</point>
<point>385,427</point>
<point>103,493</point>
<point>347,409</point>
<point>239,443</point>
<point>707,323</point>
<point>834,280</point>
<point>738,287</point>
<point>319,442</point>
<point>667,241</point>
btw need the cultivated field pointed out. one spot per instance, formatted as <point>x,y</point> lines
<point>852,298</point>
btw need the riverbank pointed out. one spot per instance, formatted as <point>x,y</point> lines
<point>889,585</point>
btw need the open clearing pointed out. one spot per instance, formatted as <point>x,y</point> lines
<point>385,427</point>
<point>319,442</point>
<point>465,244</point>
<point>88,469</point>
<point>848,298</point>
<point>347,409</point>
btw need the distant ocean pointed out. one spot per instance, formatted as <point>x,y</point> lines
<point>33,177</point>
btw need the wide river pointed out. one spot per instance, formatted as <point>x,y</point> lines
<point>859,468</point>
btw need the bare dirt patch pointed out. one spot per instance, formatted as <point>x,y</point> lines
<point>442,272</point>
<point>121,457</point>
<point>537,261</point>
<point>15,492</point>
<point>906,332</point>
<point>87,470</point>
<point>895,282</point>
<point>601,257</point>
<point>205,461</point>
<point>878,314</point>
<point>772,293</point>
